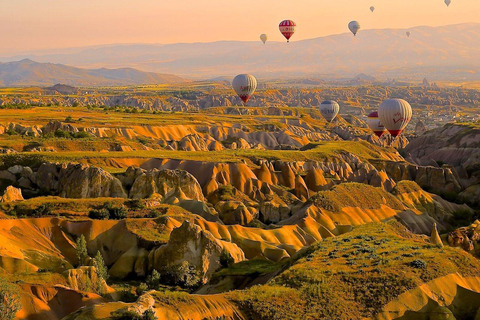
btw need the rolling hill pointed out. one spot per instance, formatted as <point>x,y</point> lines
<point>429,51</point>
<point>28,73</point>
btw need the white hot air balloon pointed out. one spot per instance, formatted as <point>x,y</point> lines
<point>408,33</point>
<point>244,85</point>
<point>264,38</point>
<point>447,2</point>
<point>354,26</point>
<point>372,8</point>
<point>329,110</point>
<point>395,114</point>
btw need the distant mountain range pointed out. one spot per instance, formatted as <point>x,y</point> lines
<point>30,73</point>
<point>433,52</point>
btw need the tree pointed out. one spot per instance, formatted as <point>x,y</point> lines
<point>9,300</point>
<point>81,250</point>
<point>99,263</point>
<point>102,270</point>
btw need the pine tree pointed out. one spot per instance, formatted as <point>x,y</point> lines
<point>81,250</point>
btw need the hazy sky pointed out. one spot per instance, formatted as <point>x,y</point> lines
<point>46,24</point>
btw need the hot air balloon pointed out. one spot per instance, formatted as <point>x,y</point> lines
<point>244,85</point>
<point>264,38</point>
<point>287,28</point>
<point>375,124</point>
<point>408,33</point>
<point>372,8</point>
<point>329,110</point>
<point>395,114</point>
<point>354,26</point>
<point>447,2</point>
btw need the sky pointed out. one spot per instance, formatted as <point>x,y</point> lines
<point>29,25</point>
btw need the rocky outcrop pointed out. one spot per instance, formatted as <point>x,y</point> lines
<point>86,279</point>
<point>198,248</point>
<point>170,185</point>
<point>78,181</point>
<point>12,194</point>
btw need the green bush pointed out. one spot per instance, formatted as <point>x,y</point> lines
<point>81,135</point>
<point>226,259</point>
<point>42,211</point>
<point>99,214</point>
<point>136,204</point>
<point>418,264</point>
<point>33,161</point>
<point>118,213</point>
<point>153,280</point>
<point>142,287</point>
<point>62,134</point>
<point>154,213</point>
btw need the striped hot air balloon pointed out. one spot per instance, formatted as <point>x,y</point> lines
<point>244,85</point>
<point>395,114</point>
<point>287,28</point>
<point>329,110</point>
<point>374,123</point>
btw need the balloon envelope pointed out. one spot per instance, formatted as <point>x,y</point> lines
<point>375,124</point>
<point>408,33</point>
<point>354,26</point>
<point>372,8</point>
<point>244,85</point>
<point>287,28</point>
<point>264,38</point>
<point>329,110</point>
<point>447,2</point>
<point>395,114</point>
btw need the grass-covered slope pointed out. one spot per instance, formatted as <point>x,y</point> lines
<point>354,276</point>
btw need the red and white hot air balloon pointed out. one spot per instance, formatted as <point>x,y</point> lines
<point>244,85</point>
<point>287,28</point>
<point>395,114</point>
<point>374,123</point>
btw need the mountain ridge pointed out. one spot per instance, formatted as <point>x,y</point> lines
<point>27,72</point>
<point>383,53</point>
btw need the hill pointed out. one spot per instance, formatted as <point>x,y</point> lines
<point>29,73</point>
<point>429,51</point>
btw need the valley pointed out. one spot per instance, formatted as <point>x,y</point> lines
<point>173,202</point>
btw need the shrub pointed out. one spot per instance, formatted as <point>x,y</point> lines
<point>69,119</point>
<point>226,259</point>
<point>81,135</point>
<point>149,315</point>
<point>99,214</point>
<point>418,264</point>
<point>62,134</point>
<point>184,275</point>
<point>153,280</point>
<point>33,161</point>
<point>136,204</point>
<point>81,250</point>
<point>154,213</point>
<point>118,213</point>
<point>9,300</point>
<point>42,211</point>
<point>142,287</point>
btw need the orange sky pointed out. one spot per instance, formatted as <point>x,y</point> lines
<point>45,24</point>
